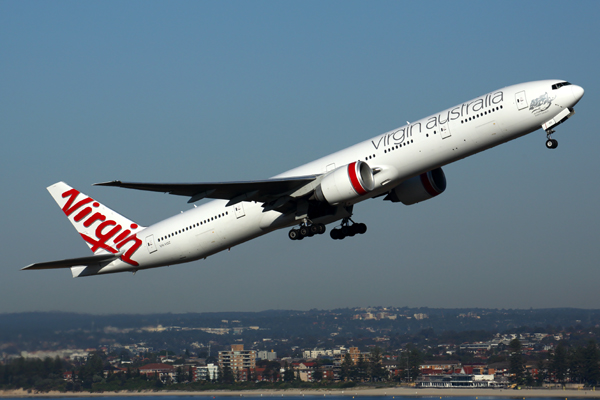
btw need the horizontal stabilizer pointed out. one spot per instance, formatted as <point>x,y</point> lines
<point>72,262</point>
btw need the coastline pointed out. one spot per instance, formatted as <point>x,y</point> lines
<point>383,392</point>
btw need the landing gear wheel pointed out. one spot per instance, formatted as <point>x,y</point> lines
<point>307,229</point>
<point>347,230</point>
<point>321,228</point>
<point>304,231</point>
<point>352,230</point>
<point>361,228</point>
<point>314,230</point>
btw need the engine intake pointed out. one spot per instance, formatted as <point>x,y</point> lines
<point>346,183</point>
<point>419,188</point>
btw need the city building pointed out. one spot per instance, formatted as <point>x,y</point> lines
<point>208,372</point>
<point>238,359</point>
<point>439,367</point>
<point>266,355</point>
<point>162,371</point>
<point>458,381</point>
<point>354,354</point>
<point>315,353</point>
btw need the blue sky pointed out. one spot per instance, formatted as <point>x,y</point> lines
<point>215,91</point>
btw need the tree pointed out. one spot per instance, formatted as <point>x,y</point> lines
<point>347,369</point>
<point>288,374</point>
<point>541,371</point>
<point>317,375</point>
<point>516,362</point>
<point>92,371</point>
<point>410,360</point>
<point>361,368</point>
<point>559,363</point>
<point>57,367</point>
<point>226,375</point>
<point>591,362</point>
<point>376,370</point>
<point>576,363</point>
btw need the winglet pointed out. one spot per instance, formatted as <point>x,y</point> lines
<point>111,183</point>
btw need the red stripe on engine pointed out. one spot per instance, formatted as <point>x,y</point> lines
<point>428,186</point>
<point>354,179</point>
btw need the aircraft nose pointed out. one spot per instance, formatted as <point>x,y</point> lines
<point>577,92</point>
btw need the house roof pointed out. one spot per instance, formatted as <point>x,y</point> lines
<point>157,367</point>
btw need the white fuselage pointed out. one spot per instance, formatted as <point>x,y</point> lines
<point>397,155</point>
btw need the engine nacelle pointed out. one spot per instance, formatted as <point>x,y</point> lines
<point>346,183</point>
<point>419,188</point>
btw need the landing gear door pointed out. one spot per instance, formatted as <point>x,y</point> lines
<point>239,210</point>
<point>521,100</point>
<point>150,244</point>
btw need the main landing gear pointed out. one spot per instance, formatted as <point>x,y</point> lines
<point>348,230</point>
<point>550,143</point>
<point>307,231</point>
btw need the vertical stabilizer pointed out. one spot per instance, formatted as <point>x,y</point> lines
<point>104,230</point>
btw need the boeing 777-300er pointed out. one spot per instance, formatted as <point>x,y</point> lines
<point>402,165</point>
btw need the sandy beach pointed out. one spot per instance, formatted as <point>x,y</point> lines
<point>384,392</point>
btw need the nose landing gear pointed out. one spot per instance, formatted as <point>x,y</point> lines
<point>550,143</point>
<point>558,119</point>
<point>347,230</point>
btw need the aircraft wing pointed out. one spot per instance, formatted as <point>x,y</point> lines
<point>260,191</point>
<point>72,262</point>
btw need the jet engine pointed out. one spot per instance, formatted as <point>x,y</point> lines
<point>346,183</point>
<point>419,188</point>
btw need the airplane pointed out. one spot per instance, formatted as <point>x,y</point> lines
<point>402,165</point>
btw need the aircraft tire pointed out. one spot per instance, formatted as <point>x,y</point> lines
<point>361,228</point>
<point>352,230</point>
<point>304,231</point>
<point>322,228</point>
<point>551,143</point>
<point>293,234</point>
<point>336,234</point>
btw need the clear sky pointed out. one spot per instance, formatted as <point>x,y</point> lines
<point>200,91</point>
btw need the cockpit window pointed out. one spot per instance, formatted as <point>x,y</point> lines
<point>560,84</point>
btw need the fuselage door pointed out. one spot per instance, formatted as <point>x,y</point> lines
<point>445,130</point>
<point>521,100</point>
<point>150,244</point>
<point>239,210</point>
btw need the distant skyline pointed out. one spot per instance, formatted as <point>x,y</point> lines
<point>224,91</point>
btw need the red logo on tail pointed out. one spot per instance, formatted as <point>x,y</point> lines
<point>105,230</point>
